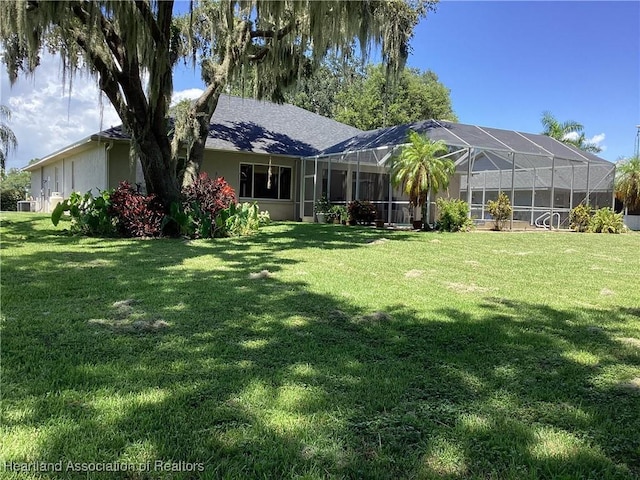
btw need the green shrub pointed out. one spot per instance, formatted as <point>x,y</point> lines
<point>89,215</point>
<point>322,205</point>
<point>500,210</point>
<point>202,202</point>
<point>362,212</point>
<point>12,188</point>
<point>9,199</point>
<point>580,217</point>
<point>239,220</point>
<point>264,218</point>
<point>605,220</point>
<point>338,212</point>
<point>454,215</point>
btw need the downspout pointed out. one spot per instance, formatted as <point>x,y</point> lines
<point>42,190</point>
<point>107,149</point>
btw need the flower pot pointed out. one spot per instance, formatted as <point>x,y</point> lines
<point>417,224</point>
<point>322,217</point>
<point>379,223</point>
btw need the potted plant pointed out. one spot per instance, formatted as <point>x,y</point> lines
<point>322,209</point>
<point>339,214</point>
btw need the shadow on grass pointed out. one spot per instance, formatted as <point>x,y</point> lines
<point>266,378</point>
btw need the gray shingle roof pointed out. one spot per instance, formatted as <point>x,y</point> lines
<point>248,125</point>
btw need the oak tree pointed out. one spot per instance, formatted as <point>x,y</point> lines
<point>123,43</point>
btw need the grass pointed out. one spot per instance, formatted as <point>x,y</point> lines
<point>320,351</point>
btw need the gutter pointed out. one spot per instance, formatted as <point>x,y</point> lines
<point>43,161</point>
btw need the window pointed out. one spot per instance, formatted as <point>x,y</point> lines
<point>262,181</point>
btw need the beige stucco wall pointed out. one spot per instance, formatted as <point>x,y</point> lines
<point>120,166</point>
<point>227,165</point>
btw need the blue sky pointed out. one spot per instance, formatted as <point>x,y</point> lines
<point>505,63</point>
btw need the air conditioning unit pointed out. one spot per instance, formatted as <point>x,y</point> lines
<point>54,200</point>
<point>26,206</point>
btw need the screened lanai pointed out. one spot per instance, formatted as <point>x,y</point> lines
<point>543,178</point>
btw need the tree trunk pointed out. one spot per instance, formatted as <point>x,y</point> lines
<point>427,212</point>
<point>195,154</point>
<point>154,151</point>
<point>203,110</point>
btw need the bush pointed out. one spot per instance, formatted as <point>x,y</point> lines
<point>202,201</point>
<point>264,218</point>
<point>9,199</point>
<point>12,188</point>
<point>500,210</point>
<point>454,215</point>
<point>322,205</point>
<point>362,212</point>
<point>605,220</point>
<point>135,214</point>
<point>240,220</point>
<point>211,195</point>
<point>89,215</point>
<point>580,217</point>
<point>338,212</point>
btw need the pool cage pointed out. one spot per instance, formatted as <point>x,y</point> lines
<point>543,178</point>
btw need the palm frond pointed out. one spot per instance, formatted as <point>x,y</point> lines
<point>418,168</point>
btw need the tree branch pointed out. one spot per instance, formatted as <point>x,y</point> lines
<point>112,39</point>
<point>133,107</point>
<point>144,8</point>
<point>256,57</point>
<point>278,35</point>
<point>108,83</point>
<point>269,34</point>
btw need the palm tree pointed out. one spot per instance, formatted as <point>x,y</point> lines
<point>8,140</point>
<point>582,143</point>
<point>627,183</point>
<point>569,132</point>
<point>554,129</point>
<point>420,170</point>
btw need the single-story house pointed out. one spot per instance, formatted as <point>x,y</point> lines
<point>247,137</point>
<point>309,155</point>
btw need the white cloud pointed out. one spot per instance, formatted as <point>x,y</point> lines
<point>573,136</point>
<point>595,140</point>
<point>189,94</point>
<point>46,117</point>
<point>48,114</point>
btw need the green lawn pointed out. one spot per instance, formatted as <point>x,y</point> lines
<point>420,355</point>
